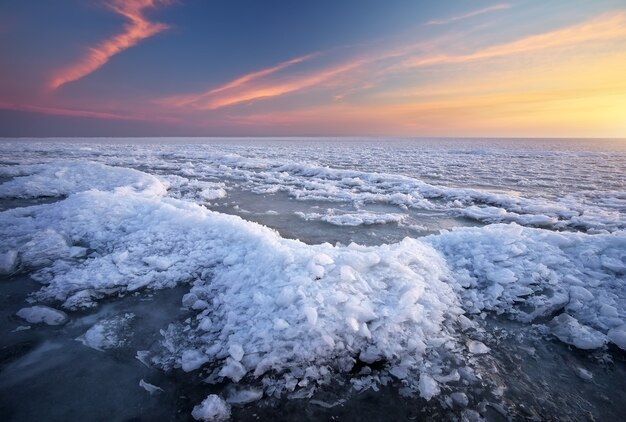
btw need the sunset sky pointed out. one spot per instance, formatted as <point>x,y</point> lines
<point>520,68</point>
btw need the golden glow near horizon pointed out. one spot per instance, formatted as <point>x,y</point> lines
<point>565,82</point>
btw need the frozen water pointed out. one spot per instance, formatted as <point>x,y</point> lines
<point>42,314</point>
<point>400,260</point>
<point>212,409</point>
<point>150,388</point>
<point>109,333</point>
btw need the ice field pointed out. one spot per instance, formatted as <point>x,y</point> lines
<point>313,278</point>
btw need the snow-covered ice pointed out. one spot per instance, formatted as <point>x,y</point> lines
<point>273,316</point>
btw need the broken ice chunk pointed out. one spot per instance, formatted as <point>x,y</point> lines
<point>476,347</point>
<point>460,399</point>
<point>570,331</point>
<point>108,333</point>
<point>583,374</point>
<point>212,409</point>
<point>150,388</point>
<point>245,396</point>
<point>617,336</point>
<point>39,313</point>
<point>233,370</point>
<point>7,262</point>
<point>236,351</point>
<point>192,359</point>
<point>428,387</point>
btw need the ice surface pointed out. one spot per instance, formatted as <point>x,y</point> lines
<point>390,303</point>
<point>570,331</point>
<point>428,387</point>
<point>477,347</point>
<point>212,409</point>
<point>240,397</point>
<point>353,218</point>
<point>287,316</point>
<point>150,388</point>
<point>8,262</point>
<point>67,177</point>
<point>43,314</point>
<point>108,333</point>
<point>617,336</point>
<point>531,273</point>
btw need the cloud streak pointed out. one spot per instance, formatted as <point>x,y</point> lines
<point>211,100</point>
<point>60,111</point>
<point>137,29</point>
<point>603,28</point>
<point>493,8</point>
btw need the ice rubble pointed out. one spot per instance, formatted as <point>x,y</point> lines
<point>66,177</point>
<point>356,218</point>
<point>313,182</point>
<point>531,274</point>
<point>291,314</point>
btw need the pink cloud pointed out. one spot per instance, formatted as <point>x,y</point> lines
<point>60,111</point>
<point>138,28</point>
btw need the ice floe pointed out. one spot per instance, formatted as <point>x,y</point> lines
<point>43,314</point>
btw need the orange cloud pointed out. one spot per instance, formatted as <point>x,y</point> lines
<point>581,94</point>
<point>137,29</point>
<point>482,11</point>
<point>603,28</point>
<point>274,90</point>
<point>193,100</point>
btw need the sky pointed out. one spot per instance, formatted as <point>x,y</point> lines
<point>521,68</point>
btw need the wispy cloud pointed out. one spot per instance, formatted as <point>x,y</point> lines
<point>214,97</point>
<point>603,28</point>
<point>493,8</point>
<point>138,28</point>
<point>61,111</point>
<point>259,84</point>
<point>367,70</point>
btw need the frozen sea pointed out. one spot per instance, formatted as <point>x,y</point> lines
<point>312,279</point>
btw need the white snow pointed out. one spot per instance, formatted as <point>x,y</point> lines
<point>42,314</point>
<point>212,409</point>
